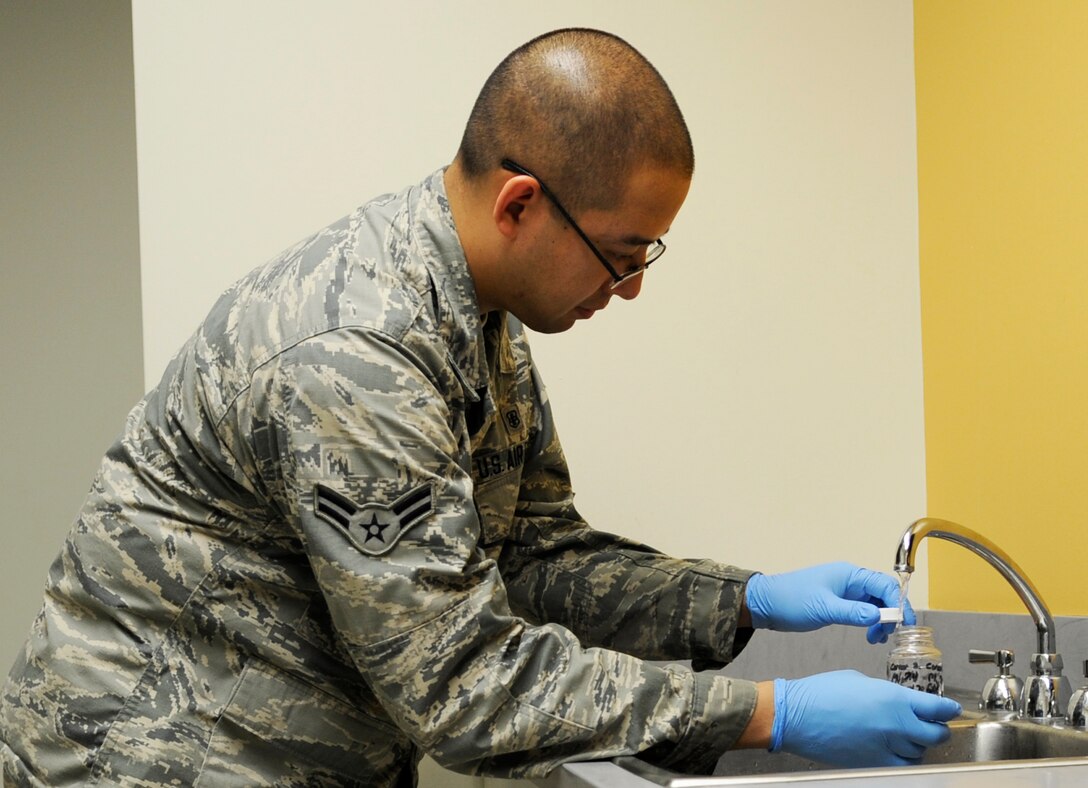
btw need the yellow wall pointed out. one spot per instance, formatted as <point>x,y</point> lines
<point>1002,97</point>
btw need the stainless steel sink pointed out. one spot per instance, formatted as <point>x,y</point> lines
<point>1008,740</point>
<point>977,738</point>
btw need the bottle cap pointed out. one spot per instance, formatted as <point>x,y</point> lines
<point>890,615</point>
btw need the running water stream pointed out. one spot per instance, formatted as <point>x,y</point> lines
<point>904,584</point>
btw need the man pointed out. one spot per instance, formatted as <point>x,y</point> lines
<point>340,533</point>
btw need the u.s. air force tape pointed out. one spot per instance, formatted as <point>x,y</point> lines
<point>374,528</point>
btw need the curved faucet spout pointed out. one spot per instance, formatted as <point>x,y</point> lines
<point>993,555</point>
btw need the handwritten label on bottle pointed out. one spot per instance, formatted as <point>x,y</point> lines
<point>920,674</point>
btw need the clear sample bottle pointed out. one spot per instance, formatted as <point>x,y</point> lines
<point>915,660</point>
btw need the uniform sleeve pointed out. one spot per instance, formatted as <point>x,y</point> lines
<point>608,590</point>
<point>372,473</point>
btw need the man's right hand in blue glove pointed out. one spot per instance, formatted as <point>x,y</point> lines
<point>848,719</point>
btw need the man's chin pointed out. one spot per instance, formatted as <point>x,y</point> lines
<point>554,326</point>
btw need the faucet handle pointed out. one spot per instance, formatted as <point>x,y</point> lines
<point>1003,658</point>
<point>1001,692</point>
<point>1077,714</point>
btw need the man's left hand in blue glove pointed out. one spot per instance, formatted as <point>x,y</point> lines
<point>808,599</point>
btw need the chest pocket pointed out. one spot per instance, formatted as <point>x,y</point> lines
<point>496,490</point>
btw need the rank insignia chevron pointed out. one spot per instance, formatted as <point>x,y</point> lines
<point>374,528</point>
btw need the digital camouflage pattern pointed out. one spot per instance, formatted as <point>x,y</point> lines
<point>340,532</point>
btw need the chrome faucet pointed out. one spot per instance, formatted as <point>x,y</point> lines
<point>1045,690</point>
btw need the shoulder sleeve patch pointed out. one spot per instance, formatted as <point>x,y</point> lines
<point>374,528</point>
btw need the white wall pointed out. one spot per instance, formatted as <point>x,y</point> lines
<point>761,403</point>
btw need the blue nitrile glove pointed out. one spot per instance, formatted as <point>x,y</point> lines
<point>811,598</point>
<point>848,719</point>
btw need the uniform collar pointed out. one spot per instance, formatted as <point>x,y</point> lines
<point>457,310</point>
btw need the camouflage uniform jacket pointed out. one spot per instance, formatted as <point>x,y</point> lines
<point>340,532</point>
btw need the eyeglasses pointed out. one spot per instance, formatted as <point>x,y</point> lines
<point>653,251</point>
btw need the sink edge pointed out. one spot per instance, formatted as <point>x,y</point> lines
<point>669,779</point>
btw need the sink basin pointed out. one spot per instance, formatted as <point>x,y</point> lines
<point>1008,740</point>
<point>1000,741</point>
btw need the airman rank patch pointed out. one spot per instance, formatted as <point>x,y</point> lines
<point>374,527</point>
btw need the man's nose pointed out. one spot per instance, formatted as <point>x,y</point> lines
<point>629,289</point>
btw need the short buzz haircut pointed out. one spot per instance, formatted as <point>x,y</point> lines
<point>580,108</point>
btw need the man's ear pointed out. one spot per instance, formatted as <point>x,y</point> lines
<point>516,195</point>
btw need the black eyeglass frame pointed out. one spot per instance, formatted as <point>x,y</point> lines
<point>653,251</point>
